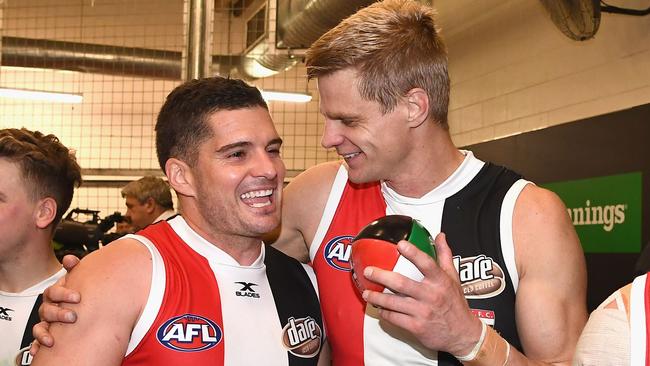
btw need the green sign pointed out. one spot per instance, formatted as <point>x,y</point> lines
<point>606,211</point>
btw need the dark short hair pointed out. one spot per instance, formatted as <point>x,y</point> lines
<point>48,168</point>
<point>181,125</point>
<point>394,46</point>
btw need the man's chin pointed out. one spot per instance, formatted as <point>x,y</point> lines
<point>358,176</point>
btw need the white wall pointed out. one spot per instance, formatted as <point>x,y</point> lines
<point>514,72</point>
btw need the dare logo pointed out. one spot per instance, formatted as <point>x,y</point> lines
<point>480,276</point>
<point>302,337</point>
<point>189,333</point>
<point>337,252</point>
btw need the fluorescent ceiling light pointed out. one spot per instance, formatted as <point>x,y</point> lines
<point>286,97</point>
<point>41,95</point>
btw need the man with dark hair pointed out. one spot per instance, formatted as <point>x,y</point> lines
<point>148,200</point>
<point>200,288</point>
<point>38,179</point>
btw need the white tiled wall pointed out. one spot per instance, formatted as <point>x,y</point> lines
<point>514,72</point>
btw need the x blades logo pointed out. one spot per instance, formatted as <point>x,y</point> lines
<point>4,313</point>
<point>247,290</point>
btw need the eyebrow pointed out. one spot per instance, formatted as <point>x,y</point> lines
<point>235,145</point>
<point>276,141</point>
<point>340,116</point>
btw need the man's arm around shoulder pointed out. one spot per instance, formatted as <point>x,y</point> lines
<point>114,283</point>
<point>303,202</point>
<point>551,297</point>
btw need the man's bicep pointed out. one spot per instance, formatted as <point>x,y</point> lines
<point>551,297</point>
<point>105,316</point>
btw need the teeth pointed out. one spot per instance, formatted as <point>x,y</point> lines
<point>348,156</point>
<point>255,194</point>
<point>261,204</point>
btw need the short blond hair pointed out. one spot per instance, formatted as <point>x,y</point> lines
<point>394,46</point>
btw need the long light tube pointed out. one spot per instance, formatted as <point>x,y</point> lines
<point>286,97</point>
<point>41,95</point>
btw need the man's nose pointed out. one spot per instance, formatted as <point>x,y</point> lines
<point>331,135</point>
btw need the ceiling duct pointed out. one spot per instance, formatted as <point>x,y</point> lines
<point>291,27</point>
<point>307,20</point>
<point>303,21</point>
<point>100,59</point>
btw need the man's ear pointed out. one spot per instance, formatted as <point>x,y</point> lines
<point>150,205</point>
<point>180,177</point>
<point>45,212</point>
<point>418,106</point>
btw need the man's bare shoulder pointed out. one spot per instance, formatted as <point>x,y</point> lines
<point>303,202</point>
<point>321,175</point>
<point>114,285</point>
<point>306,195</point>
<point>123,261</point>
<point>536,199</point>
<point>121,253</point>
<point>541,226</point>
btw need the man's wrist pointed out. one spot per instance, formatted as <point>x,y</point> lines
<point>493,350</point>
<point>474,352</point>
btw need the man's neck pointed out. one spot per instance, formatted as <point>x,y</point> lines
<point>157,212</point>
<point>32,265</point>
<point>244,250</point>
<point>427,167</point>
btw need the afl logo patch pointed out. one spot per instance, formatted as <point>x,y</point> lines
<point>189,333</point>
<point>337,252</point>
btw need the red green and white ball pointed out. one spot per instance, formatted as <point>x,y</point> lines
<point>376,245</point>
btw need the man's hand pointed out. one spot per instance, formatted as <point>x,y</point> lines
<point>50,310</point>
<point>434,310</point>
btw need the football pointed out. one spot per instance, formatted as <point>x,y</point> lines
<point>376,245</point>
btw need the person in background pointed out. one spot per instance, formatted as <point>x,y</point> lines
<point>201,288</point>
<point>148,200</point>
<point>124,227</point>
<point>617,331</point>
<point>39,175</point>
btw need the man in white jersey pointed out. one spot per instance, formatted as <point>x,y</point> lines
<point>201,288</point>
<point>384,93</point>
<point>38,179</point>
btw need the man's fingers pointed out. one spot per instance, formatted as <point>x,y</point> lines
<point>394,281</point>
<point>33,348</point>
<point>69,261</point>
<point>57,293</point>
<point>420,259</point>
<point>41,337</point>
<point>445,256</point>
<point>51,313</point>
